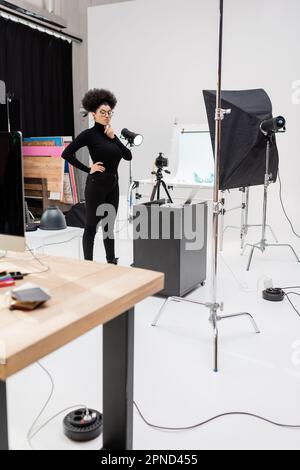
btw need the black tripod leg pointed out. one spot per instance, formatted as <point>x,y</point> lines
<point>153,193</point>
<point>158,191</point>
<point>167,191</point>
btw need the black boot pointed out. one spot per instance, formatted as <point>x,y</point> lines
<point>113,261</point>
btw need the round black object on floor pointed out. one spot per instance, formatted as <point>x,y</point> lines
<point>274,295</point>
<point>83,425</point>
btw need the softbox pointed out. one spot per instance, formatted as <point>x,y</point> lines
<point>76,217</point>
<point>243,145</point>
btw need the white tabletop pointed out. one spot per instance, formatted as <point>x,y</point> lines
<point>38,234</point>
<point>176,183</point>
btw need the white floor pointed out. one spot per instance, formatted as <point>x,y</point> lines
<point>174,382</point>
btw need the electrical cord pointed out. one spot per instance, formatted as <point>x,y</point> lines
<point>32,433</point>
<point>39,261</point>
<point>52,244</point>
<point>293,306</point>
<point>242,286</point>
<point>214,418</point>
<point>125,224</point>
<point>283,208</point>
<point>293,287</point>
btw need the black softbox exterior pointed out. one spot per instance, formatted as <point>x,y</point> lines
<point>76,217</point>
<point>243,146</point>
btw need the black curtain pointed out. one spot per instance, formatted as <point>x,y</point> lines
<point>37,69</point>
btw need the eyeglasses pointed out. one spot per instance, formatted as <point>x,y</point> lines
<point>106,113</point>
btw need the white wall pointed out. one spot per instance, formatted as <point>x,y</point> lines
<point>158,55</point>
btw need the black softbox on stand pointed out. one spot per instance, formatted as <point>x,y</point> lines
<point>243,154</point>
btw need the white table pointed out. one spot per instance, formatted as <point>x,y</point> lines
<point>39,240</point>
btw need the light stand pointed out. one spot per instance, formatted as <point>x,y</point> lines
<point>133,140</point>
<point>131,187</point>
<point>263,244</point>
<point>214,306</point>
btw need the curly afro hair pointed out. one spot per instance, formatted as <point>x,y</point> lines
<point>93,99</point>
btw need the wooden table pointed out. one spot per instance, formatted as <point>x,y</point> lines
<point>84,295</point>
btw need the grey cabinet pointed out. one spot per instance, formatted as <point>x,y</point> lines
<point>172,239</point>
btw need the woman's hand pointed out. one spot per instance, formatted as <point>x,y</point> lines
<point>97,167</point>
<point>109,132</point>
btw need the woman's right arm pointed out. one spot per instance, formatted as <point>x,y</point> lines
<point>69,152</point>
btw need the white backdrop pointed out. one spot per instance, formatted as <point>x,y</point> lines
<point>158,56</point>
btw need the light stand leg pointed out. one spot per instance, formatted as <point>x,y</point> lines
<point>251,255</point>
<point>173,299</point>
<point>285,245</point>
<point>235,315</point>
<point>273,233</point>
<point>242,227</point>
<point>161,311</point>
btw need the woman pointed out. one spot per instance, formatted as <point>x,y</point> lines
<point>102,186</point>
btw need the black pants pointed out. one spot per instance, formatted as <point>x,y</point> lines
<point>101,188</point>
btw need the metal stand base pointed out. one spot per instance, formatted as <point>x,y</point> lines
<point>214,319</point>
<point>244,226</point>
<point>262,245</point>
<point>244,232</point>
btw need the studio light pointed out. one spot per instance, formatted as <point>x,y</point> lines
<point>242,161</point>
<point>272,126</point>
<point>133,139</point>
<point>53,219</point>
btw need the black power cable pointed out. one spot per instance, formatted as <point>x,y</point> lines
<point>233,413</point>
<point>293,306</point>
<point>283,208</point>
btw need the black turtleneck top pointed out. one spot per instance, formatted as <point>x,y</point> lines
<point>101,147</point>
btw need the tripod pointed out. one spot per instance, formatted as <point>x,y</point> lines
<point>263,244</point>
<point>160,183</point>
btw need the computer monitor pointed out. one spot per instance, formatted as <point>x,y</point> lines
<point>12,224</point>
